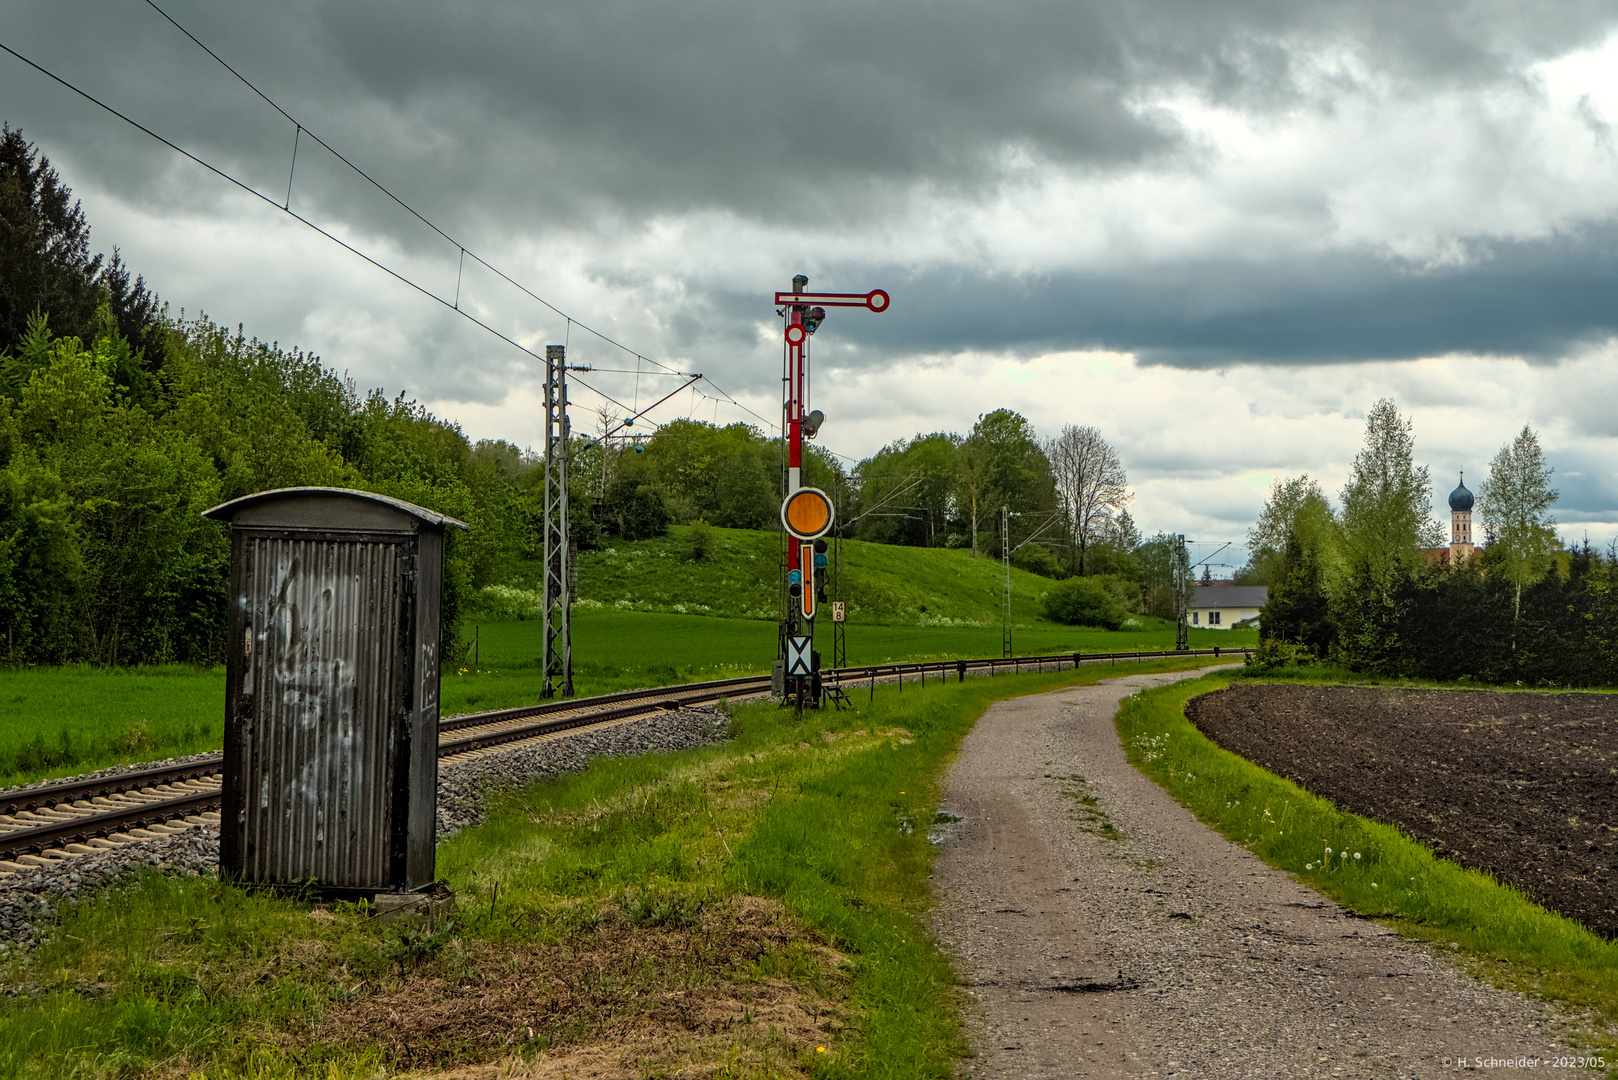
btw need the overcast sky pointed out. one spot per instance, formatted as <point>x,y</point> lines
<point>1218,231</point>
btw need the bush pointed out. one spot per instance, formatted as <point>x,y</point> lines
<point>1083,602</point>
<point>633,511</point>
<point>500,603</point>
<point>1274,654</point>
<point>700,537</point>
<point>1036,559</point>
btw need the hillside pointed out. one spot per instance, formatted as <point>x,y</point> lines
<point>738,577</point>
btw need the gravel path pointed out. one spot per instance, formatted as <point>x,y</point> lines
<point>1105,932</point>
<point>28,900</point>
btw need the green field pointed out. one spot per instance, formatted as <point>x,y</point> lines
<point>740,577</point>
<point>62,721</point>
<point>649,615</point>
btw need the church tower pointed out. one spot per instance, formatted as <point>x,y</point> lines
<point>1460,522</point>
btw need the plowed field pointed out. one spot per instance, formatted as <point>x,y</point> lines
<point>1524,786</point>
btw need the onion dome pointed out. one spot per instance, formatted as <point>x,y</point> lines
<point>1460,499</point>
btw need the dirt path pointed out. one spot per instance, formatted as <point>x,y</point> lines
<point>1105,932</point>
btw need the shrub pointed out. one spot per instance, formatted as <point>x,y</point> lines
<point>700,537</point>
<point>1274,654</point>
<point>1083,602</point>
<point>499,603</point>
<point>1036,559</point>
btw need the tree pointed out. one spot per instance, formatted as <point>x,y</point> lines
<point>1123,534</point>
<point>1001,464</point>
<point>973,481</point>
<point>904,490</point>
<point>728,476</point>
<point>1387,504</point>
<point>46,267</point>
<point>1092,484</point>
<point>1297,609</point>
<point>1156,559</point>
<point>1296,507</point>
<point>1513,506</point>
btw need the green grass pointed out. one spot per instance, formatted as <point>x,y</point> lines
<point>59,721</point>
<point>740,578</point>
<point>62,721</point>
<point>1368,867</point>
<point>615,650</point>
<point>824,816</point>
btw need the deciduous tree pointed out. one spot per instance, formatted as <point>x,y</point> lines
<point>1514,508</point>
<point>1092,484</point>
<point>1387,504</point>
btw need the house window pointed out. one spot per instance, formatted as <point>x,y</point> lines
<point>1213,618</point>
<point>1195,615</point>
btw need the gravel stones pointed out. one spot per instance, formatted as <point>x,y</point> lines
<point>1105,932</point>
<point>464,783</point>
<point>29,899</point>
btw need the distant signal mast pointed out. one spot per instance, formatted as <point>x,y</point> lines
<point>807,513</point>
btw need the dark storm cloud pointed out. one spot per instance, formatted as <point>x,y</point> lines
<point>1538,299</point>
<point>543,112</point>
<point>504,119</point>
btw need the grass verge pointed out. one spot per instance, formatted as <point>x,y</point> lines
<point>753,909</point>
<point>60,721</point>
<point>1371,868</point>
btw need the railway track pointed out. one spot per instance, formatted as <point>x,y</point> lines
<point>43,824</point>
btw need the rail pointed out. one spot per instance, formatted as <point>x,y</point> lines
<point>56,815</point>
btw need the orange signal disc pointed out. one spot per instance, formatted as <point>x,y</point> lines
<point>807,513</point>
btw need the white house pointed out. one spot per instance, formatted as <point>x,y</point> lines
<point>1220,607</point>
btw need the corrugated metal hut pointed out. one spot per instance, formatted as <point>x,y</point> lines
<point>331,713</point>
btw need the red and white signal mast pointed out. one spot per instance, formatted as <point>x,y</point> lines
<point>807,513</point>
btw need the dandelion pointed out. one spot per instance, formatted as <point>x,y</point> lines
<point>1373,884</point>
<point>820,1049</point>
<point>1356,855</point>
<point>1308,866</point>
<point>1328,851</point>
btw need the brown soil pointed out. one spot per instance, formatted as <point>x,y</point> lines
<point>1519,785</point>
<point>739,985</point>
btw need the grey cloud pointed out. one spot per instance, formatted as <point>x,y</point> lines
<point>510,118</point>
<point>1540,299</point>
<point>528,114</point>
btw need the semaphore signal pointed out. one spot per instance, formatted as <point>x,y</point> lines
<point>807,513</point>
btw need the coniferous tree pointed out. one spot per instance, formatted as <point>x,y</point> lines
<point>1298,609</point>
<point>47,269</point>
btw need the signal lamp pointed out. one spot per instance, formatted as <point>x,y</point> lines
<point>812,422</point>
<point>794,589</point>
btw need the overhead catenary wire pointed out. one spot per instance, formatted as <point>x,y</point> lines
<point>466,252</point>
<point>300,129</point>
<point>345,245</point>
<point>463,252</point>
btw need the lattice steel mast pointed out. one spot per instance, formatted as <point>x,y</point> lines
<point>1182,575</point>
<point>557,663</point>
